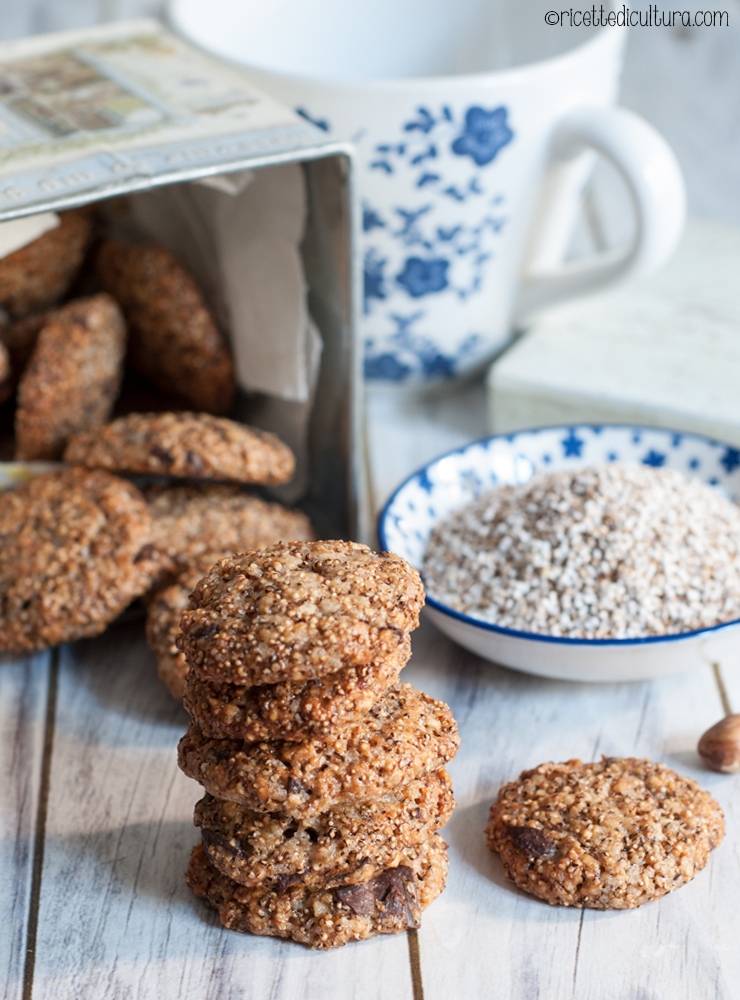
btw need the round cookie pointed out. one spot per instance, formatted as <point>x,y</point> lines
<point>405,734</point>
<point>75,550</point>
<point>299,610</point>
<point>174,339</point>
<point>72,379</point>
<point>191,521</point>
<point>291,710</point>
<point>610,835</point>
<point>163,611</point>
<point>390,903</point>
<point>347,844</point>
<point>184,445</point>
<point>19,339</point>
<point>39,274</point>
<point>6,374</point>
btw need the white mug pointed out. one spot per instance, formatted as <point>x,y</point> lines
<point>475,123</point>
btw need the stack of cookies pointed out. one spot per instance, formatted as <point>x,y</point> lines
<point>324,774</point>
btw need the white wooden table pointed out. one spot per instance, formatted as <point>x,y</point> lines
<point>96,827</point>
<point>95,822</point>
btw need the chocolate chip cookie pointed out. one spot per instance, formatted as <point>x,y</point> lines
<point>75,550</point>
<point>389,903</point>
<point>346,844</point>
<point>72,379</point>
<point>19,339</point>
<point>163,610</point>
<point>405,734</point>
<point>299,610</point>
<point>36,276</point>
<point>184,445</point>
<point>175,341</point>
<point>291,710</point>
<point>6,374</point>
<point>192,520</point>
<point>610,835</point>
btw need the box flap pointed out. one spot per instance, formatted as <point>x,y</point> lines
<point>126,106</point>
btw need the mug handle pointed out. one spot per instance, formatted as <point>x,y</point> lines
<point>655,184</point>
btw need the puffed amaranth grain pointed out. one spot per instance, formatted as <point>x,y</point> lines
<point>405,734</point>
<point>610,835</point>
<point>299,610</point>
<point>344,845</point>
<point>390,903</point>
<point>292,710</point>
<point>37,275</point>
<point>73,377</point>
<point>175,341</point>
<point>75,550</point>
<point>184,445</point>
<point>191,520</point>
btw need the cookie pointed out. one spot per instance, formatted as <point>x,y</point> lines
<point>6,374</point>
<point>610,835</point>
<point>75,550</point>
<point>299,610</point>
<point>36,276</point>
<point>290,710</point>
<point>72,379</point>
<point>344,845</point>
<point>184,445</point>
<point>190,521</point>
<point>405,734</point>
<point>19,339</point>
<point>175,341</point>
<point>164,608</point>
<point>390,903</point>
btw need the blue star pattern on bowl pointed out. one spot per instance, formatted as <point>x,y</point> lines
<point>458,477</point>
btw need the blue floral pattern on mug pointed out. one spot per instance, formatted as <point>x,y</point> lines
<point>423,277</point>
<point>431,238</point>
<point>485,133</point>
<point>427,248</point>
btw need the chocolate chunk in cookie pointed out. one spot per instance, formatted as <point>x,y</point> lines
<point>72,379</point>
<point>389,903</point>
<point>405,734</point>
<point>75,550</point>
<point>610,835</point>
<point>299,610</point>
<point>175,341</point>
<point>184,445</point>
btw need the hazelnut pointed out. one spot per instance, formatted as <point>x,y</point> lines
<point>719,747</point>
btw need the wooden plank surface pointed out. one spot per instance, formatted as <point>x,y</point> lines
<point>24,693</point>
<point>484,937</point>
<point>116,919</point>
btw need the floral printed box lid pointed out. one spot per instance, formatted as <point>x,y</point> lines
<point>120,107</point>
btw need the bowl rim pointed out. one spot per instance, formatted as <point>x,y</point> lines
<point>510,437</point>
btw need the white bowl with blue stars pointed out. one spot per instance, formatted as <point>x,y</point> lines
<point>455,479</point>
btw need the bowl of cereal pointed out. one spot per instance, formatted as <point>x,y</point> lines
<point>579,552</point>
